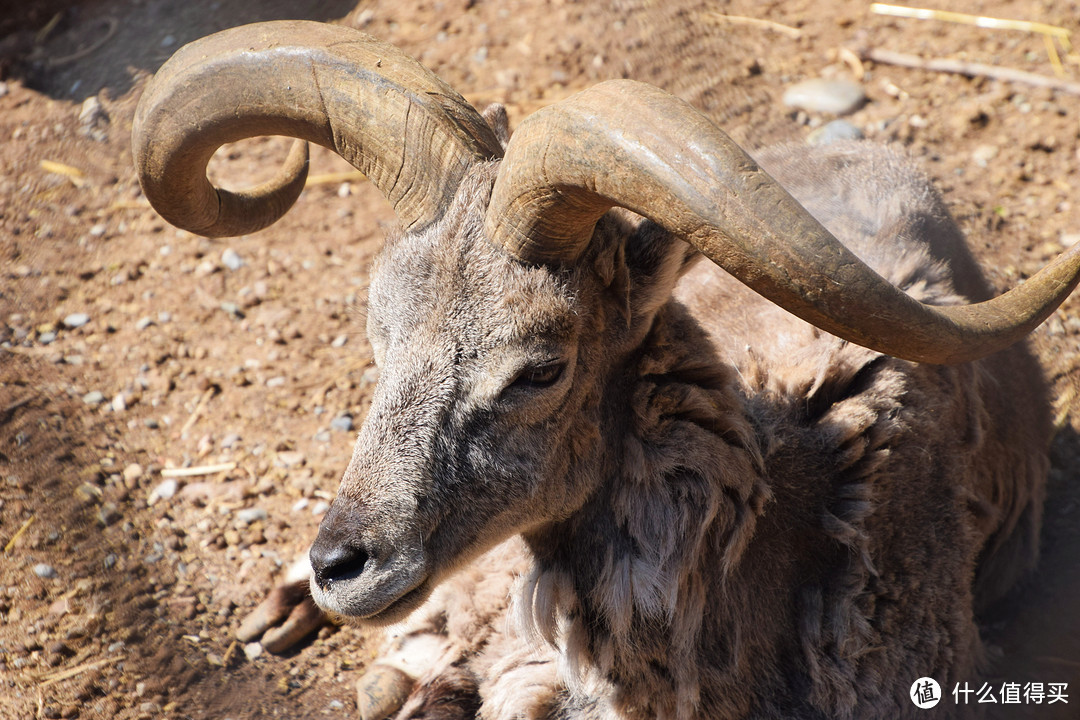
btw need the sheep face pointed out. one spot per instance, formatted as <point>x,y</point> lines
<point>486,418</point>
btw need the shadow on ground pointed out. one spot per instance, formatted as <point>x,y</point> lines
<point>71,50</point>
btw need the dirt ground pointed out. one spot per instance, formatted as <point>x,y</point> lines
<point>119,598</point>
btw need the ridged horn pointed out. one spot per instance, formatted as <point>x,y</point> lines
<point>628,144</point>
<point>409,132</point>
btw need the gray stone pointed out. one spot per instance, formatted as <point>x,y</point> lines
<point>246,516</point>
<point>165,490</point>
<point>835,131</point>
<point>231,259</point>
<point>94,397</point>
<point>342,423</point>
<point>43,570</point>
<point>75,320</point>
<point>838,97</point>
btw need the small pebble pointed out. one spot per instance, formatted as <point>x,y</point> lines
<point>75,320</point>
<point>322,436</point>
<point>835,131</point>
<point>94,397</point>
<point>983,154</point>
<point>291,458</point>
<point>253,650</point>
<point>43,570</point>
<point>231,259</point>
<point>320,507</point>
<point>247,516</point>
<point>838,97</point>
<point>230,440</point>
<point>93,120</point>
<point>144,322</point>
<point>46,337</point>
<point>132,472</point>
<point>340,341</point>
<point>108,513</point>
<point>164,491</point>
<point>342,423</point>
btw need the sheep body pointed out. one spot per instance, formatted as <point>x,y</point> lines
<point>786,524</point>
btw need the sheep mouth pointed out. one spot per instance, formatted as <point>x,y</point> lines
<point>374,595</point>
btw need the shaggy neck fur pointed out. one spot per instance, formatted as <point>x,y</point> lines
<point>620,588</point>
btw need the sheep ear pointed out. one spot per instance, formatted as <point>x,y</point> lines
<point>641,272</point>
<point>495,116</point>
<point>610,266</point>
<point>655,260</point>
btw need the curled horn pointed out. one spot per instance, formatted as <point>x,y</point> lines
<point>628,144</point>
<point>390,117</point>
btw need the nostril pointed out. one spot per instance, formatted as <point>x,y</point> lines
<point>334,561</point>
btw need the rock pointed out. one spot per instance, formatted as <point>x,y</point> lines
<point>132,472</point>
<point>342,423</point>
<point>93,120</point>
<point>253,650</point>
<point>76,320</point>
<point>835,131</point>
<point>320,507</point>
<point>88,493</point>
<point>43,570</point>
<point>231,259</point>
<point>838,97</point>
<point>983,154</point>
<point>47,337</point>
<point>94,397</point>
<point>339,341</point>
<point>165,490</point>
<point>247,516</point>
<point>291,458</point>
<point>107,514</point>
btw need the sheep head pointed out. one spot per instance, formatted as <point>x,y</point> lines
<point>503,318</point>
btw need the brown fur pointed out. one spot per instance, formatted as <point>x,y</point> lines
<point>726,512</point>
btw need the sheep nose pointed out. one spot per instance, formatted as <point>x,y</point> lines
<point>335,555</point>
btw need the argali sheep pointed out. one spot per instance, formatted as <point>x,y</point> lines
<point>777,484</point>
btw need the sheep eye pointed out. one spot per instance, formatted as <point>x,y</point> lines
<point>539,376</point>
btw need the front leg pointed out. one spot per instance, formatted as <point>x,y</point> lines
<point>287,615</point>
